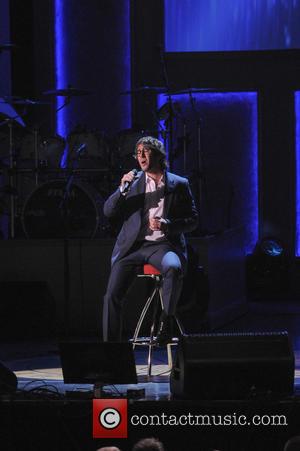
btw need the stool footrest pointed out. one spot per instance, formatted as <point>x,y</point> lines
<point>147,340</point>
<point>143,341</point>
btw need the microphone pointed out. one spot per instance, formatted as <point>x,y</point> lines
<point>126,186</point>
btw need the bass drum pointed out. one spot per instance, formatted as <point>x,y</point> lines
<point>46,215</point>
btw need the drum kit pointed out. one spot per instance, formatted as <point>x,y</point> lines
<point>56,186</point>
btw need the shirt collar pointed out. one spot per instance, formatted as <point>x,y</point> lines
<point>160,182</point>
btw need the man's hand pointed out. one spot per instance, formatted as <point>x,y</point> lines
<point>128,178</point>
<point>158,224</point>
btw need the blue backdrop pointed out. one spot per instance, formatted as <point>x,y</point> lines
<point>297,134</point>
<point>217,25</point>
<point>92,52</point>
<point>228,154</point>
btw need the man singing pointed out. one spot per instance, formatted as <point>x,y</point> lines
<point>156,208</point>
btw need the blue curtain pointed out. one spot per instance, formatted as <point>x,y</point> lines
<point>218,25</point>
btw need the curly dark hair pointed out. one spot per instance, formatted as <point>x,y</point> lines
<point>156,145</point>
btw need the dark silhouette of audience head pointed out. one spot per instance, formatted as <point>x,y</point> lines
<point>293,444</point>
<point>108,448</point>
<point>148,444</point>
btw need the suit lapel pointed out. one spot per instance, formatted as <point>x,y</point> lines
<point>140,185</point>
<point>137,195</point>
<point>169,190</point>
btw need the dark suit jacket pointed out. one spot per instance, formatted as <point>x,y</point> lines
<point>179,211</point>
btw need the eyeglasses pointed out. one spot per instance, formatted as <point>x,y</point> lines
<point>139,153</point>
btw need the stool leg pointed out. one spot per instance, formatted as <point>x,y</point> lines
<point>152,330</point>
<point>142,316</point>
<point>157,292</point>
<point>161,298</point>
<point>149,362</point>
<point>179,326</point>
<point>170,357</point>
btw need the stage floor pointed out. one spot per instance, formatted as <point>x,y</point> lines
<point>37,362</point>
<point>38,365</point>
<point>46,413</point>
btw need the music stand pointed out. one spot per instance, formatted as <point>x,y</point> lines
<point>98,363</point>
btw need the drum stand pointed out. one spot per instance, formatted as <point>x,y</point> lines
<point>64,213</point>
<point>199,174</point>
<point>11,178</point>
<point>63,206</point>
<point>169,122</point>
<point>11,181</point>
<point>36,156</point>
<point>199,165</point>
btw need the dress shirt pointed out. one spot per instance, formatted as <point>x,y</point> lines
<point>153,207</point>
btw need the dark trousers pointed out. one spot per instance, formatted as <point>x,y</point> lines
<point>165,259</point>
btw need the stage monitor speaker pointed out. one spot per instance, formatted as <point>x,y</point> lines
<point>233,366</point>
<point>95,362</point>
<point>8,380</point>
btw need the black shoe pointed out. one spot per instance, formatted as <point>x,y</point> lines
<point>165,330</point>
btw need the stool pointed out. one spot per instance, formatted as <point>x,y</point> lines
<point>156,299</point>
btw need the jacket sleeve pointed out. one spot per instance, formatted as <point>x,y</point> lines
<point>114,205</point>
<point>187,219</point>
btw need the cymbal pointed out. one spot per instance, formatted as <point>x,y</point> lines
<point>189,91</point>
<point>67,92</point>
<point>157,89</point>
<point>31,102</point>
<point>9,113</point>
<point>16,100</point>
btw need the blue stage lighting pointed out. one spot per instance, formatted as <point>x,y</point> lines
<point>271,247</point>
<point>231,25</point>
<point>60,66</point>
<point>241,106</point>
<point>297,157</point>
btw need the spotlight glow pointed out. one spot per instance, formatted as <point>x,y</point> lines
<point>297,158</point>
<point>60,67</point>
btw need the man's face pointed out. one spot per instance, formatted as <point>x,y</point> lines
<point>147,158</point>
